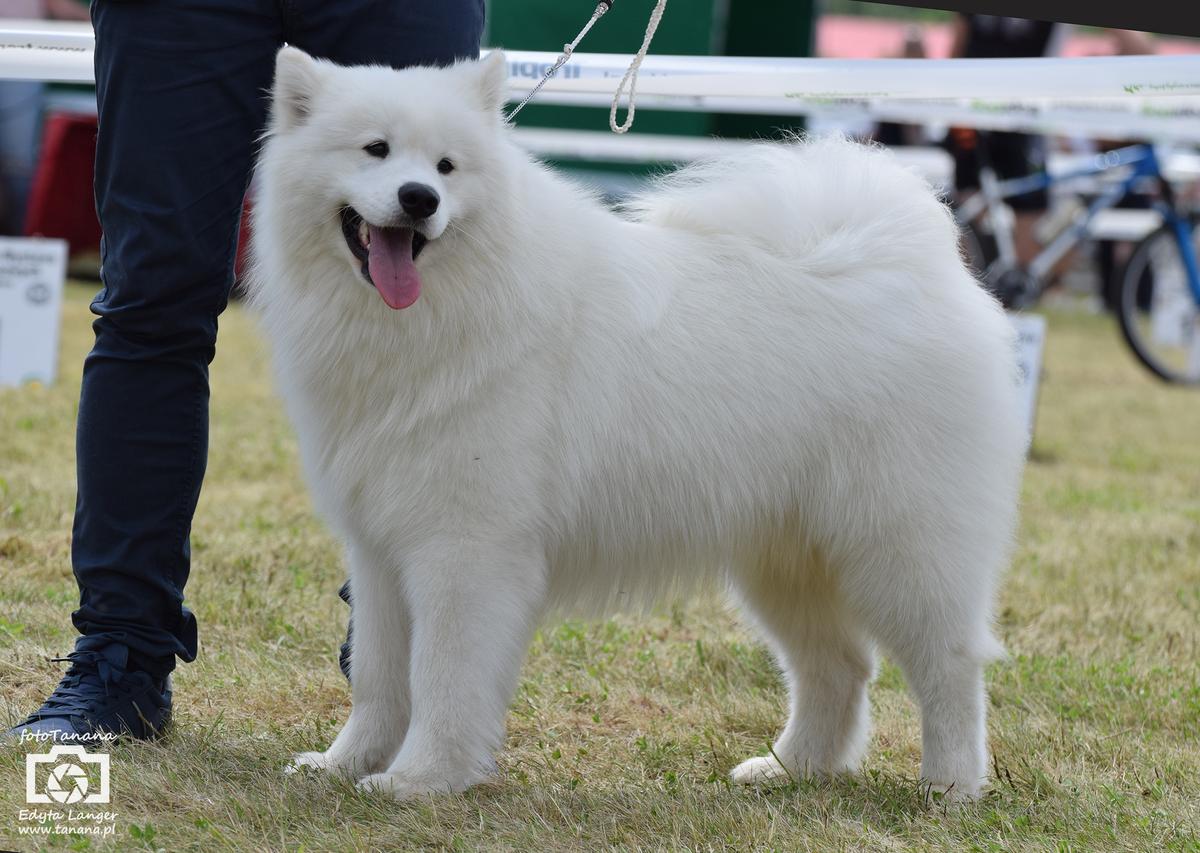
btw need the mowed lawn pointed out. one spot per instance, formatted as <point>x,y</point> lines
<point>622,732</point>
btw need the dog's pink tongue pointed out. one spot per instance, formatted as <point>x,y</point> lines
<point>390,263</point>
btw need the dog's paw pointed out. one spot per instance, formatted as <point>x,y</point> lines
<point>951,795</point>
<point>753,771</point>
<point>401,786</point>
<point>303,762</point>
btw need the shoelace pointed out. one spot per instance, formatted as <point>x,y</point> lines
<point>92,676</point>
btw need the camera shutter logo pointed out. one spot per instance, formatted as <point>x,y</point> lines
<point>65,780</point>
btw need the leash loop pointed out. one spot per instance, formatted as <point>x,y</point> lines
<point>631,74</point>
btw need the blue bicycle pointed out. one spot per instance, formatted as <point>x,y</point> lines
<point>1156,294</point>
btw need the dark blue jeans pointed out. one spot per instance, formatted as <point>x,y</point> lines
<point>182,91</point>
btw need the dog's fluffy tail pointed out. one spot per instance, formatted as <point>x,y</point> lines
<point>817,203</point>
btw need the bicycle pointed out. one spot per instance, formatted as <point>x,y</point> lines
<point>1157,291</point>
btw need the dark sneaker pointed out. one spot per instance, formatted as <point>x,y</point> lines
<point>98,699</point>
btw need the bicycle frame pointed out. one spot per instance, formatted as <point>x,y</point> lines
<point>1144,163</point>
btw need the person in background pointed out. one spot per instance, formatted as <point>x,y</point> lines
<point>1012,155</point>
<point>892,133</point>
<point>21,114</point>
<point>181,89</point>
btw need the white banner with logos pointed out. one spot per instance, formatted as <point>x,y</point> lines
<point>32,273</point>
<point>1133,97</point>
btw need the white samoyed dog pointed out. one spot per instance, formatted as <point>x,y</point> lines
<point>773,371</point>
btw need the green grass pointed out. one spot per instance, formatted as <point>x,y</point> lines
<point>622,732</point>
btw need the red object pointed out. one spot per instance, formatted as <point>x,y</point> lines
<point>61,200</point>
<point>857,37</point>
<point>239,264</point>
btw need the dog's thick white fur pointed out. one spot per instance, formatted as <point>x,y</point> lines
<point>772,372</point>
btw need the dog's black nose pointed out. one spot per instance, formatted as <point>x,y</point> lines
<point>418,200</point>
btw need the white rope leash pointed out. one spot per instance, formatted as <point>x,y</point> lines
<point>601,7</point>
<point>631,74</point>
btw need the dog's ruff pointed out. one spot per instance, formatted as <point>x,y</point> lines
<point>771,371</point>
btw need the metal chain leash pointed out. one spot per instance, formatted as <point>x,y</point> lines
<point>602,7</point>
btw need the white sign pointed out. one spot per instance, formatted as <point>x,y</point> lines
<point>32,272</point>
<point>1031,338</point>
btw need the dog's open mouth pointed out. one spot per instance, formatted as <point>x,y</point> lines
<point>388,257</point>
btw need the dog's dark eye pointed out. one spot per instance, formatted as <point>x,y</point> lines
<point>445,167</point>
<point>377,149</point>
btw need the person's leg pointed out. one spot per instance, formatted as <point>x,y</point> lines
<point>180,87</point>
<point>1018,155</point>
<point>399,33</point>
<point>181,93</point>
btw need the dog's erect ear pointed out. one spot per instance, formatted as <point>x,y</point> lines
<point>297,80</point>
<point>493,79</point>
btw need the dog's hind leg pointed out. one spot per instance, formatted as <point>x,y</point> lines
<point>379,664</point>
<point>474,607</point>
<point>827,664</point>
<point>930,613</point>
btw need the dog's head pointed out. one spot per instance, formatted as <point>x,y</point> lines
<point>385,168</point>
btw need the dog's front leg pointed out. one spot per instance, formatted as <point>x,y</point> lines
<point>379,660</point>
<point>473,609</point>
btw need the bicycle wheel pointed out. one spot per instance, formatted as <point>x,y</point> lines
<point>1159,316</point>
